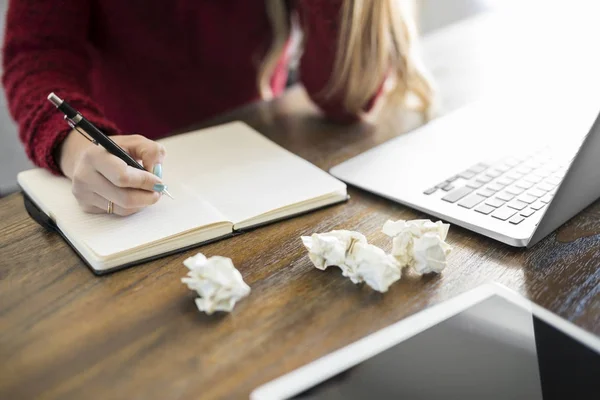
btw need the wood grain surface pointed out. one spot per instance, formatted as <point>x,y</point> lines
<point>136,334</point>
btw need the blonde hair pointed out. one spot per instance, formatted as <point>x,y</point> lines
<point>376,44</point>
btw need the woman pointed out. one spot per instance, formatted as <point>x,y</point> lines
<point>153,66</point>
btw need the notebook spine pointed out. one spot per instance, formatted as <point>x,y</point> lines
<point>37,214</point>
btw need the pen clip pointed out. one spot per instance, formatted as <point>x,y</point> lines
<point>73,125</point>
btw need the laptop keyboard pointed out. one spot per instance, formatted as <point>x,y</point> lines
<point>510,190</point>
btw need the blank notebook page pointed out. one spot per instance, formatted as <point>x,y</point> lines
<point>110,234</point>
<point>242,173</point>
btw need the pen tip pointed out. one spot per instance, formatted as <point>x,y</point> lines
<point>168,194</point>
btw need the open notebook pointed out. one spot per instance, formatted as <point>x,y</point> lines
<point>224,179</point>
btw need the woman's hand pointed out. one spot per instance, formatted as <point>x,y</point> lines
<point>99,177</point>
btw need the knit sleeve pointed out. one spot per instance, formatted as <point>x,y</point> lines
<point>46,50</point>
<point>320,20</point>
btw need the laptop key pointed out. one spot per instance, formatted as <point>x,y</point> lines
<point>536,192</point>
<point>546,187</point>
<point>502,167</point>
<point>495,202</point>
<point>504,213</point>
<point>524,170</point>
<point>514,175</point>
<point>430,191</point>
<point>467,174</point>
<point>532,164</point>
<point>515,190</point>
<point>493,173</point>
<point>527,198</point>
<point>478,168</point>
<point>505,196</point>
<point>474,184</point>
<point>441,185</point>
<point>517,204</point>
<point>452,178</point>
<point>517,219</point>
<point>457,194</point>
<point>527,212</point>
<point>484,179</point>
<point>505,181</point>
<point>496,187</point>
<point>484,209</point>
<point>486,192</point>
<point>538,205</point>
<point>471,201</point>
<point>533,178</point>
<point>543,172</point>
<point>547,198</point>
<point>524,184</point>
<point>553,167</point>
<point>554,180</point>
<point>448,187</point>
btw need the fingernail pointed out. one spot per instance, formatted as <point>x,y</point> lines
<point>159,187</point>
<point>157,170</point>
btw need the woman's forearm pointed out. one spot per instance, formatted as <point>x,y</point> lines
<point>45,50</point>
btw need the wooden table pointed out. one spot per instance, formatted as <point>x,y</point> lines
<point>65,333</point>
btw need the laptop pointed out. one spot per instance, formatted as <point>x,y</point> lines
<point>510,169</point>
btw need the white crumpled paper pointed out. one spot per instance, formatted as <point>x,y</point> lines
<point>419,244</point>
<point>358,260</point>
<point>218,283</point>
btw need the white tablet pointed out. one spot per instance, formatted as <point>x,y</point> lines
<point>489,343</point>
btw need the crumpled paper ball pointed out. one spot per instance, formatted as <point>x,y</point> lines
<point>370,264</point>
<point>358,260</point>
<point>218,283</point>
<point>419,244</point>
<point>326,249</point>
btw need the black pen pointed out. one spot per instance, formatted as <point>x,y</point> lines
<point>85,127</point>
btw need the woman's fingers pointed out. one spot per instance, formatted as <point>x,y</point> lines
<point>100,177</point>
<point>101,203</point>
<point>89,185</point>
<point>126,198</point>
<point>95,203</point>
<point>122,175</point>
<point>151,153</point>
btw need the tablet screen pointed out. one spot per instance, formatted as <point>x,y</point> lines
<point>492,350</point>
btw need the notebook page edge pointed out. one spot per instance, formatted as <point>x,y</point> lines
<point>292,211</point>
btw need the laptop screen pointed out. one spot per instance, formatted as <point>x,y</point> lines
<point>493,350</point>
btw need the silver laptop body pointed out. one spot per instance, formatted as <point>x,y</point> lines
<point>513,171</point>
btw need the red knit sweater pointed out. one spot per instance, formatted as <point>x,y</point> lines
<point>148,66</point>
